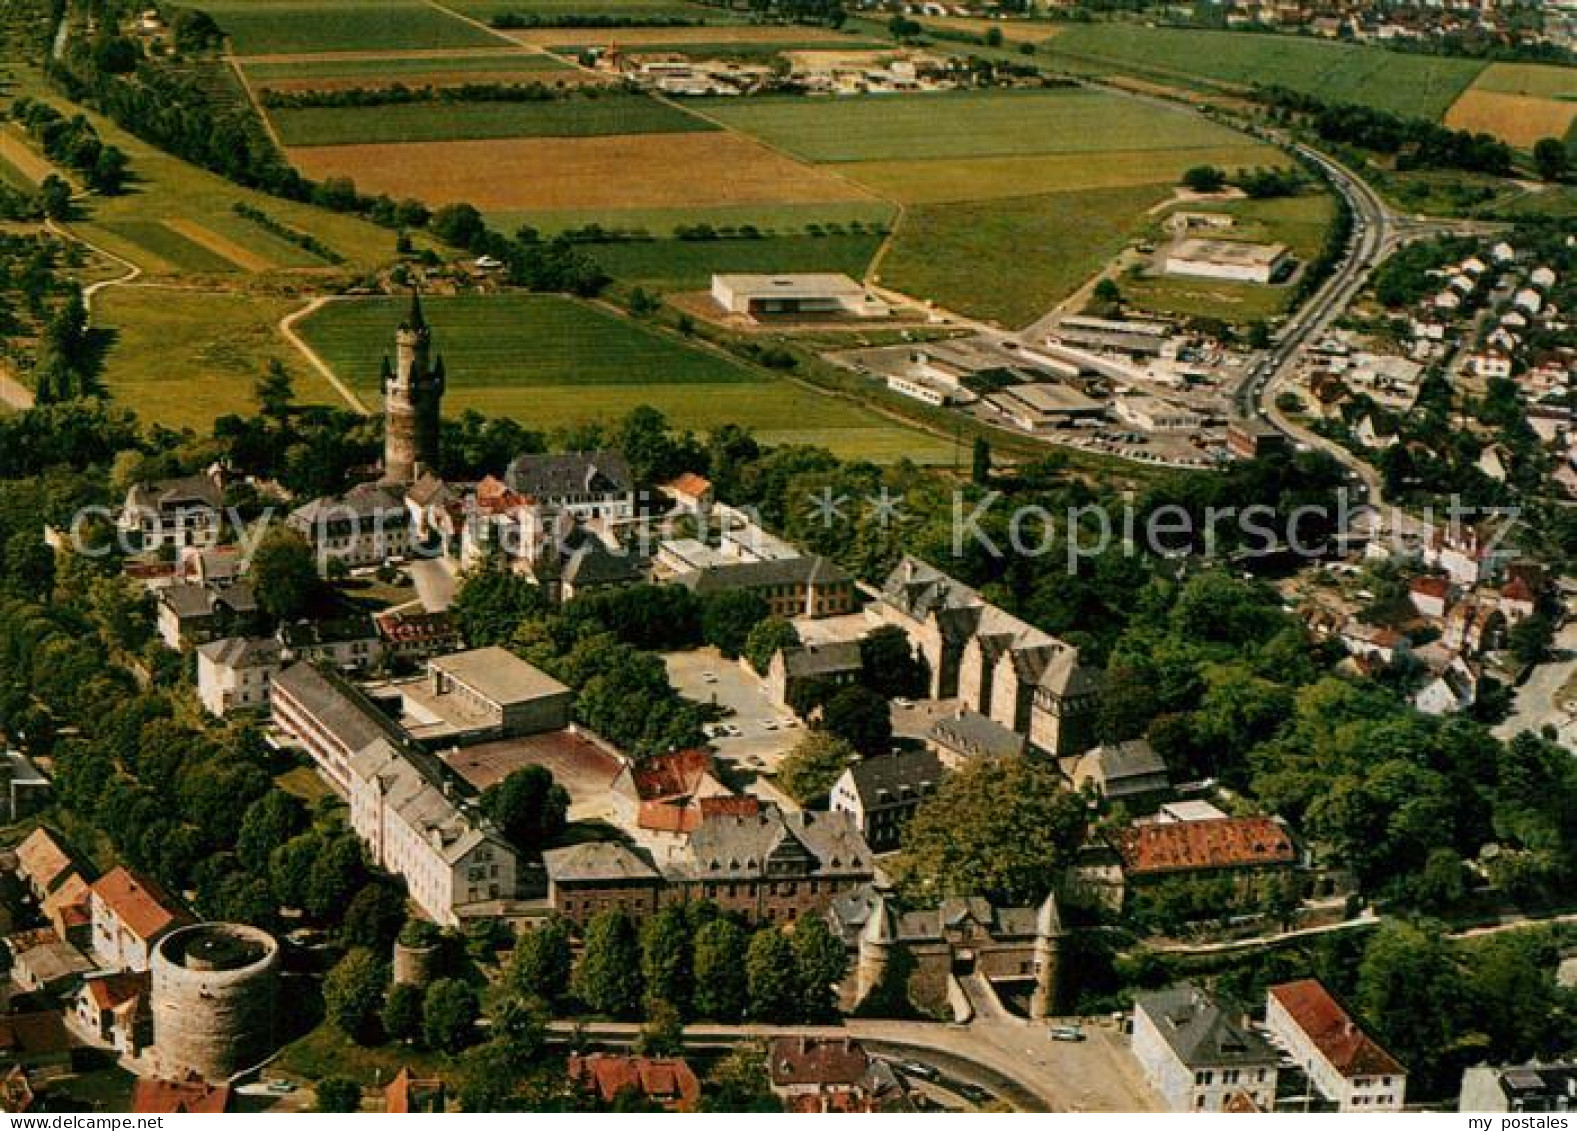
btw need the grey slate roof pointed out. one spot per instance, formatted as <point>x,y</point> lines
<point>553,476</point>
<point>597,861</point>
<point>1200,1032</point>
<point>189,601</point>
<point>864,909</point>
<point>344,712</point>
<point>973,734</point>
<point>893,778</point>
<point>365,500</point>
<point>728,847</point>
<point>808,661</point>
<point>809,571</point>
<point>166,494</point>
<point>1134,764</point>
<point>243,651</point>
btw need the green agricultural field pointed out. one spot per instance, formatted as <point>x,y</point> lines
<point>688,265</point>
<point>772,219</point>
<point>489,66</point>
<point>551,362</point>
<point>602,116</point>
<point>1418,85</point>
<point>181,358</point>
<point>970,124</point>
<point>170,246</point>
<point>634,10</point>
<point>1012,260</point>
<point>266,27</point>
<point>249,234</point>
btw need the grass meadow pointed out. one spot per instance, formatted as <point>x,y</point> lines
<point>688,265</point>
<point>550,362</point>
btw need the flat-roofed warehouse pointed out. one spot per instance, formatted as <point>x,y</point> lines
<point>815,294</point>
<point>1046,405</point>
<point>1236,260</point>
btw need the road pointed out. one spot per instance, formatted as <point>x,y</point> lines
<point>1013,1058</point>
<point>435,582</point>
<point>1534,704</point>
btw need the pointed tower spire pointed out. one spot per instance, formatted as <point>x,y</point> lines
<point>414,319</point>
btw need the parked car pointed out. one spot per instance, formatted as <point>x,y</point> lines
<point>1067,1033</point>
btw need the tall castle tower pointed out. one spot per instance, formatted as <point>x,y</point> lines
<point>412,390</point>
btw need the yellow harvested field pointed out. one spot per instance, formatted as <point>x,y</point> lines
<point>636,36</point>
<point>17,153</point>
<point>700,169</point>
<point>997,178</point>
<point>1014,31</point>
<point>1518,119</point>
<point>242,257</point>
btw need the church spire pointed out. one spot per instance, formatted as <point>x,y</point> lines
<point>414,319</point>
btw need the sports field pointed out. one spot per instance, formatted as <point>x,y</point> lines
<point>413,122</point>
<point>1520,103</point>
<point>1417,85</point>
<point>550,361</point>
<point>181,358</point>
<point>687,265</point>
<point>1012,260</point>
<point>266,27</point>
<point>698,170</point>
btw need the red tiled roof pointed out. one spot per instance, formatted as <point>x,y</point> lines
<point>115,990</point>
<point>1241,1103</point>
<point>743,805</point>
<point>1351,1051</point>
<point>190,1096</point>
<point>408,1094</point>
<point>812,1060</point>
<point>143,907</point>
<point>668,1081</point>
<point>1517,590</point>
<point>1439,587</point>
<point>668,817</point>
<point>670,775</point>
<point>691,484</point>
<point>1184,846</point>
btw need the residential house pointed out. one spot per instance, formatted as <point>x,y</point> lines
<point>188,511</point>
<point>1430,595</point>
<point>366,526</point>
<point>819,1074</point>
<point>234,674</point>
<point>1197,1055</point>
<point>53,967</point>
<point>691,493</point>
<point>1130,772</point>
<point>69,911</point>
<point>131,913</point>
<point>667,1082</point>
<point>798,668</point>
<point>410,632</point>
<point>586,879</point>
<point>116,1010</point>
<point>211,565</point>
<point>1346,1065</point>
<point>195,614</point>
<point>592,486</point>
<point>349,643</point>
<point>1527,1088</point>
<point>43,862</point>
<point>882,793</point>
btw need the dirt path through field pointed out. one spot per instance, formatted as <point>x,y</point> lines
<point>287,328</point>
<point>242,257</point>
<point>18,153</point>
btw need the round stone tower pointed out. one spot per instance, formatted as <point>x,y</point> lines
<point>1049,933</point>
<point>412,392</point>
<point>213,1000</point>
<point>875,951</point>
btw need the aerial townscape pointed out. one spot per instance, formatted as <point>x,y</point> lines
<point>903,556</point>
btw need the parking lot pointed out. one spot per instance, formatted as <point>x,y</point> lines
<point>754,733</point>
